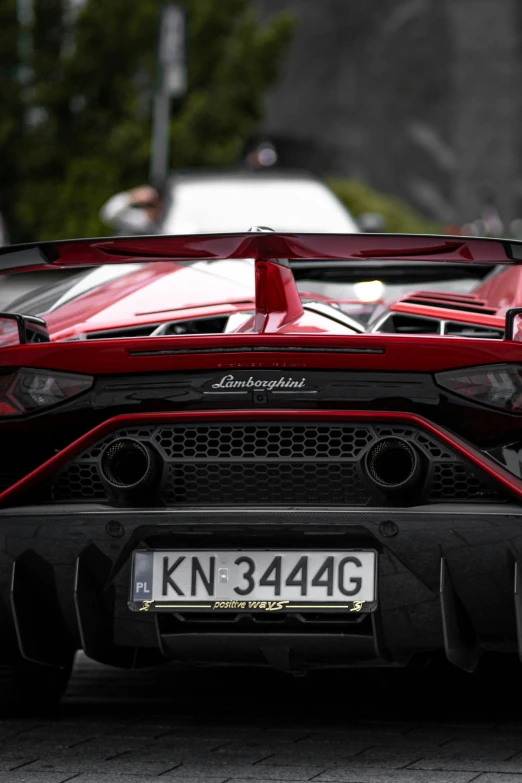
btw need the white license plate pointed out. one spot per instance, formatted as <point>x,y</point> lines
<point>253,580</point>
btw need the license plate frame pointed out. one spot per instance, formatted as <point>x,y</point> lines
<point>142,572</point>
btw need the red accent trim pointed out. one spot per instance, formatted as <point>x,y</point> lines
<point>479,460</point>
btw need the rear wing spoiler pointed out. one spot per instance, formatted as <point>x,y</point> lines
<point>266,246</point>
<point>276,257</point>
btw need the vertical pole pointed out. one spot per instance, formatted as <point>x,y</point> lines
<point>160,138</point>
<point>171,83</point>
<point>24,14</point>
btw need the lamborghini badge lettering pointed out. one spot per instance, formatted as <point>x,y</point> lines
<point>230,382</point>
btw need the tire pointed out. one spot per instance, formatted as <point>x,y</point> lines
<point>28,688</point>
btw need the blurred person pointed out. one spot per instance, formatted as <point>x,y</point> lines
<point>135,211</point>
<point>138,211</point>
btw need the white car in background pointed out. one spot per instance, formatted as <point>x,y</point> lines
<point>217,201</point>
<point>207,202</point>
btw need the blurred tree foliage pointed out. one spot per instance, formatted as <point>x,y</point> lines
<point>87,103</point>
<point>11,111</point>
<point>398,215</point>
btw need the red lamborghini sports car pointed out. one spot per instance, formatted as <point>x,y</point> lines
<point>208,458</point>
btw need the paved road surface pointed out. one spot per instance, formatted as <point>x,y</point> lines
<point>239,726</point>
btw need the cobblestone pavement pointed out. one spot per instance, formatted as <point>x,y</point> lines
<point>238,726</point>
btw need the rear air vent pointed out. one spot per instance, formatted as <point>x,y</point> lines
<point>214,325</point>
<point>472,330</point>
<point>448,297</point>
<point>399,323</point>
<point>131,331</point>
<point>403,323</point>
<point>432,301</point>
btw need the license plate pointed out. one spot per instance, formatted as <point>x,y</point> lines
<point>253,580</point>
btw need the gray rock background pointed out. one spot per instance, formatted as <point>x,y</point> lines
<point>421,98</point>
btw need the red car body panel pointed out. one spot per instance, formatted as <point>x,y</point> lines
<point>166,289</point>
<point>153,293</point>
<point>266,439</point>
<point>362,352</point>
<point>502,291</point>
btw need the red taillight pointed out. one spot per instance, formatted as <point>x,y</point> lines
<point>498,385</point>
<point>27,391</point>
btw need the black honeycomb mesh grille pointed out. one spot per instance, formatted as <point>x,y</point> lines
<point>270,463</point>
<point>262,442</point>
<point>79,482</point>
<point>453,481</point>
<point>275,483</point>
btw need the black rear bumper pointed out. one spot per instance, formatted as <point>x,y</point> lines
<point>448,582</point>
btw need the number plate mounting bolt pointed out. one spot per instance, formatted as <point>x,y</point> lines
<point>388,529</point>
